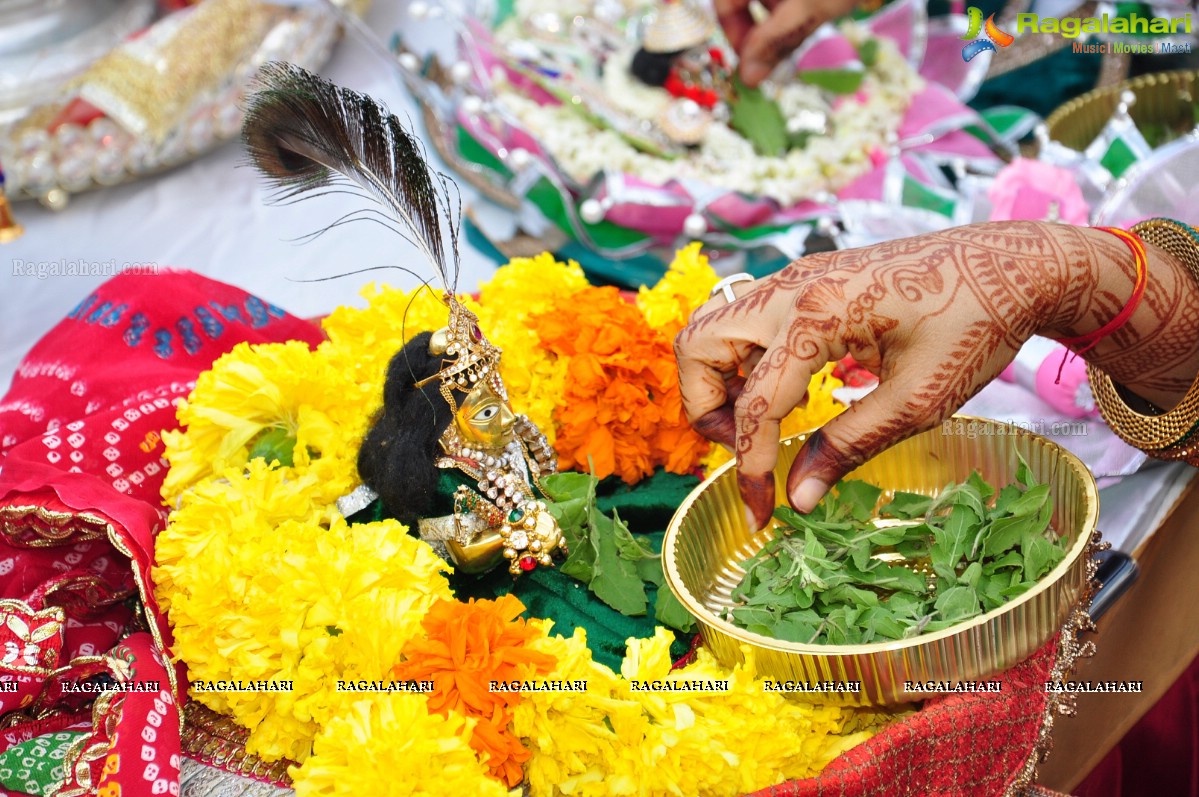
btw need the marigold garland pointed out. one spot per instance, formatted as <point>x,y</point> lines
<point>525,288</point>
<point>466,647</point>
<point>257,588</point>
<point>621,410</point>
<point>393,746</point>
<point>686,285</point>
<point>263,580</point>
<point>261,387</point>
<point>611,740</point>
<point>362,341</point>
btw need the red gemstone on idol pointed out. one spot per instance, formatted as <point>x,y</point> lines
<point>527,563</point>
<point>475,332</point>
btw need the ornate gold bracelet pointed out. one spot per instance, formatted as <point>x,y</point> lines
<point>1163,435</point>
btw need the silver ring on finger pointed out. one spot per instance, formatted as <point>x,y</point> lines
<point>725,286</point>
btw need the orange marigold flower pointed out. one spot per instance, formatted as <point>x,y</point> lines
<point>622,411</point>
<point>466,647</point>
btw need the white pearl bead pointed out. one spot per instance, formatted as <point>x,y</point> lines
<point>460,72</point>
<point>472,105</point>
<point>418,9</point>
<point>591,211</point>
<point>410,62</point>
<point>695,225</point>
<point>519,158</point>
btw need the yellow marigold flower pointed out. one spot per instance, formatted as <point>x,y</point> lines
<point>256,389</point>
<point>570,732</point>
<point>685,286</point>
<point>819,410</point>
<point>611,740</point>
<point>532,285</point>
<point>734,742</point>
<point>362,341</point>
<point>521,290</point>
<point>257,589</point>
<point>391,746</point>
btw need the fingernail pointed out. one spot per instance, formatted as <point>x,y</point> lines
<point>757,492</point>
<point>754,72</point>
<point>808,494</point>
<point>718,425</point>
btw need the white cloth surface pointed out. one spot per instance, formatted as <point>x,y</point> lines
<point>1089,439</point>
<point>1131,510</point>
<point>1133,500</point>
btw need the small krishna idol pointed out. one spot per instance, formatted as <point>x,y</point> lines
<point>446,455</point>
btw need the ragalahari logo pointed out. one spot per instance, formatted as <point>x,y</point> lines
<point>993,34</point>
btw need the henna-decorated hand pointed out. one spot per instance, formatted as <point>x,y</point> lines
<point>763,45</point>
<point>936,317</point>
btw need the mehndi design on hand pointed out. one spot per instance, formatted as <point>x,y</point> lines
<point>936,317</point>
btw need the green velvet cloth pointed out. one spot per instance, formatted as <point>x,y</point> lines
<point>646,507</point>
<point>549,594</point>
<point>1044,84</point>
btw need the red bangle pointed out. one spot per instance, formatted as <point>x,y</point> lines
<point>1087,342</point>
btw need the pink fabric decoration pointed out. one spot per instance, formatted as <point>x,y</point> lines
<point>831,52</point>
<point>1027,189</point>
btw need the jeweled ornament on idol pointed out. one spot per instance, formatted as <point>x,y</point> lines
<point>446,454</point>
<point>677,54</point>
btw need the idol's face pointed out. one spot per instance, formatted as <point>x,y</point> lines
<point>484,420</point>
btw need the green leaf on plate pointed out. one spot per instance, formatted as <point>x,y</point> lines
<point>957,603</point>
<point>907,506</point>
<point>859,497</point>
<point>868,52</point>
<point>837,81</point>
<point>758,118</point>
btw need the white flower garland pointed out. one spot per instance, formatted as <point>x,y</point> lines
<point>724,158</point>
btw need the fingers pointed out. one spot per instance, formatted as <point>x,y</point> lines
<point>720,300</point>
<point>776,387</point>
<point>719,425</point>
<point>765,45</point>
<point>735,20</point>
<point>870,425</point>
<point>710,356</point>
<point>709,382</point>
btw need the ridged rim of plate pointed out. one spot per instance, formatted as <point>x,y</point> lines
<point>1077,122</point>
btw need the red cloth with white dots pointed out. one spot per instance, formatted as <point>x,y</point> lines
<point>93,394</point>
<point>81,468</point>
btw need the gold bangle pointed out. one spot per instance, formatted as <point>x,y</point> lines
<point>1164,435</point>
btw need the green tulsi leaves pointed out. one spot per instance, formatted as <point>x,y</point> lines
<point>606,556</point>
<point>852,572</point>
